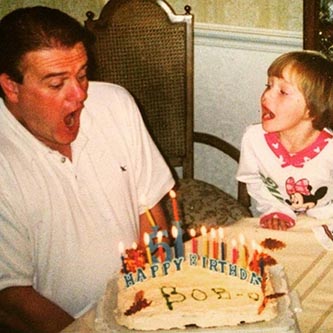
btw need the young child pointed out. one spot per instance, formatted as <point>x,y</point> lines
<point>287,160</point>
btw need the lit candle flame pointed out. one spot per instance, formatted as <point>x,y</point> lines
<point>192,232</point>
<point>146,239</point>
<point>213,233</point>
<point>203,230</point>
<point>174,232</point>
<point>221,233</point>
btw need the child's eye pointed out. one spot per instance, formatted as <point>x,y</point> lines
<point>283,92</point>
<point>267,85</point>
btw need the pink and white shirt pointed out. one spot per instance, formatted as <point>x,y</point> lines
<point>285,184</point>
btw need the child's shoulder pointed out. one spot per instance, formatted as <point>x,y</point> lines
<point>254,130</point>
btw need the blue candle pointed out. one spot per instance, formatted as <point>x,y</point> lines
<point>177,234</point>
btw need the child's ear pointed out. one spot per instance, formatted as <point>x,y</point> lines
<point>9,87</point>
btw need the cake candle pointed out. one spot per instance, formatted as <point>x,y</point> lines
<point>135,254</point>
<point>194,241</point>
<point>222,245</point>
<point>255,258</point>
<point>179,250</point>
<point>122,258</point>
<point>172,195</point>
<point>205,243</point>
<point>146,240</point>
<point>243,252</point>
<point>234,251</point>
<point>160,247</point>
<point>150,218</point>
<point>215,243</point>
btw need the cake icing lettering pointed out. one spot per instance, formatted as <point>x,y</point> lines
<point>176,296</point>
<point>215,265</point>
<point>172,295</point>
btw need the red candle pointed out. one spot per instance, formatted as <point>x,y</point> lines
<point>194,241</point>
<point>172,195</point>
<point>234,251</point>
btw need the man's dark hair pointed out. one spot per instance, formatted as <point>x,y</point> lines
<point>35,28</point>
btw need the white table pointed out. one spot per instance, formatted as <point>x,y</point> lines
<point>308,265</point>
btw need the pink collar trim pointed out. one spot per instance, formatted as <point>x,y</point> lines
<point>300,158</point>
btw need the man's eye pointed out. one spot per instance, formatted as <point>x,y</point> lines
<point>56,85</point>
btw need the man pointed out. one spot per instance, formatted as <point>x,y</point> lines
<point>77,172</point>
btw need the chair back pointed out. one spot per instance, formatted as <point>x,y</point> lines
<point>145,47</point>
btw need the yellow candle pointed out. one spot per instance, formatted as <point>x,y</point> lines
<point>205,243</point>
<point>146,240</point>
<point>150,218</point>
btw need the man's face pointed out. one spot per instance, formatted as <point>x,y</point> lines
<point>52,95</point>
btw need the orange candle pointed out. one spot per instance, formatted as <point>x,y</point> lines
<point>146,240</point>
<point>215,243</point>
<point>172,195</point>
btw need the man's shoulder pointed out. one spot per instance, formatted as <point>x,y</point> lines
<point>101,89</point>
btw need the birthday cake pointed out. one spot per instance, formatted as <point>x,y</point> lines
<point>202,284</point>
<point>194,292</point>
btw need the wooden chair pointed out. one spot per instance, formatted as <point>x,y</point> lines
<point>145,47</point>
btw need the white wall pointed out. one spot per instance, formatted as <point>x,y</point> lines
<point>230,74</point>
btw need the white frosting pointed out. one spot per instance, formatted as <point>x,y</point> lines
<point>194,295</point>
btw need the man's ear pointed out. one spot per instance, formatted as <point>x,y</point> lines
<point>9,87</point>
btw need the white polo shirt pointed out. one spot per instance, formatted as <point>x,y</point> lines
<point>60,221</point>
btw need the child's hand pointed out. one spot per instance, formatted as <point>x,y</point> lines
<point>276,221</point>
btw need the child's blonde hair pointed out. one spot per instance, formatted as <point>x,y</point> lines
<point>313,74</point>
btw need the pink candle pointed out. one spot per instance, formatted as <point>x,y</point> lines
<point>194,241</point>
<point>172,195</point>
<point>146,240</point>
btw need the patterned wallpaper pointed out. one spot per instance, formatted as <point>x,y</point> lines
<point>268,14</point>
